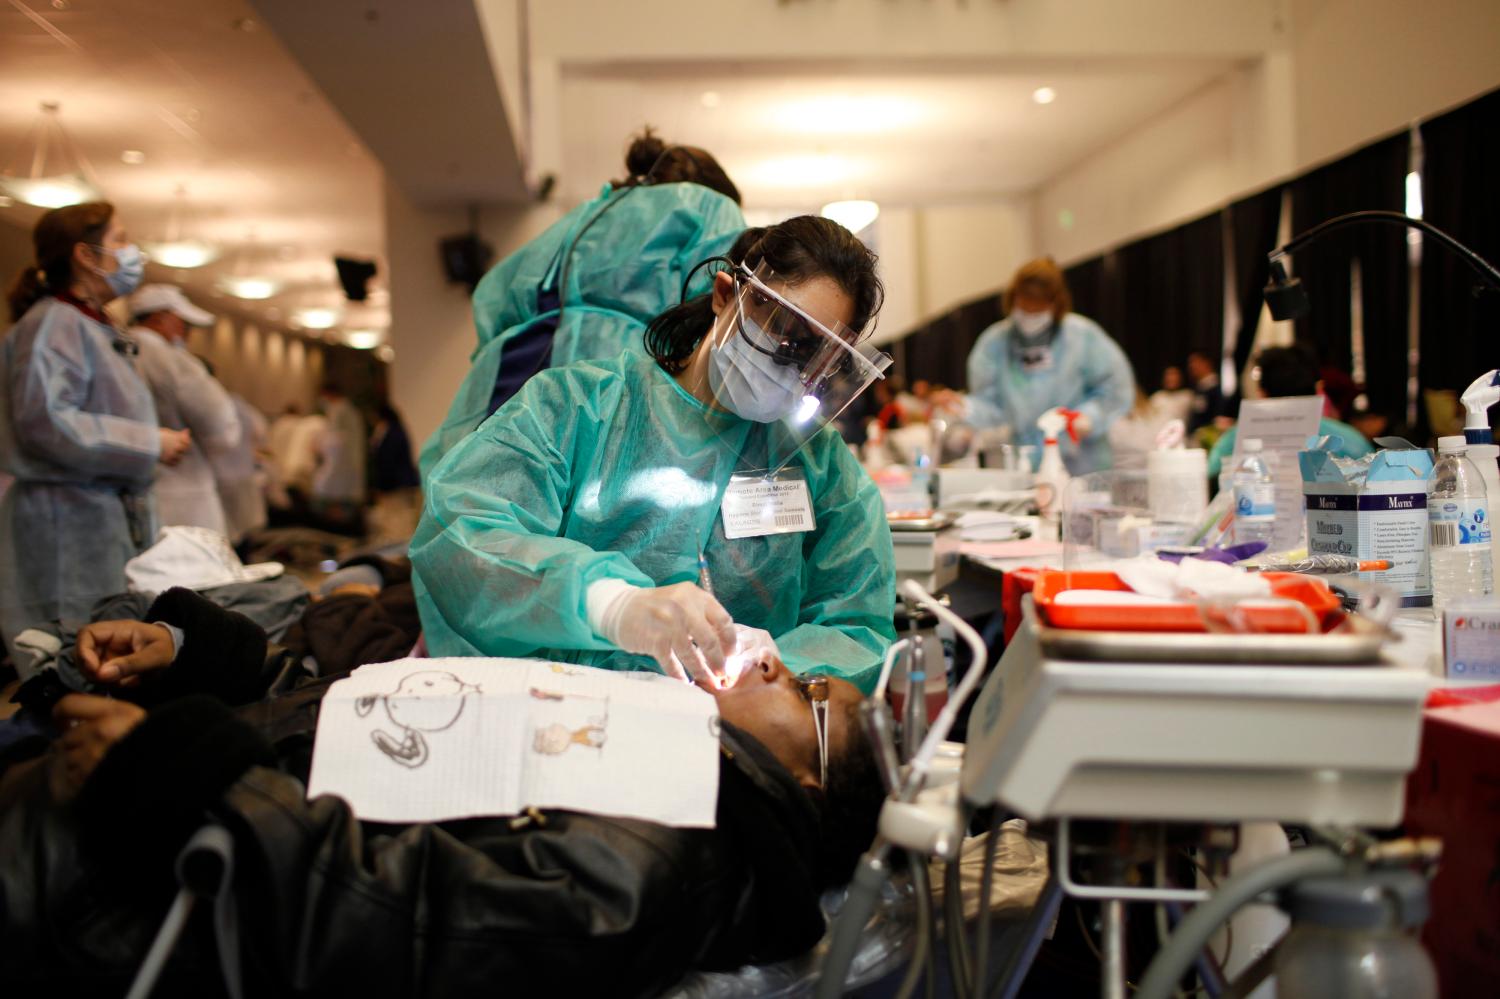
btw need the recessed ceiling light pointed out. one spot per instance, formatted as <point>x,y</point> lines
<point>710,99</point>
<point>1044,95</point>
<point>133,156</point>
<point>362,339</point>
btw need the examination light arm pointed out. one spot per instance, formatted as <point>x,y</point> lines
<point>1286,296</point>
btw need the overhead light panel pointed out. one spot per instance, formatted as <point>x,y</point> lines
<point>1044,95</point>
<point>802,171</point>
<point>363,339</point>
<point>848,115</point>
<point>854,214</point>
<point>56,173</point>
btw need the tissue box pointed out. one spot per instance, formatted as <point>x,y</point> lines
<point>1372,508</point>
<point>1471,639</point>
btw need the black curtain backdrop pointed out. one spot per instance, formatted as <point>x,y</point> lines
<point>1253,221</point>
<point>1172,287</point>
<point>1372,178</point>
<point>1097,292</point>
<point>939,351</point>
<point>1461,196</point>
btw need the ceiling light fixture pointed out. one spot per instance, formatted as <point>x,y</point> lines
<point>133,157</point>
<point>1044,95</point>
<point>853,214</point>
<point>363,339</point>
<point>177,248</point>
<point>251,288</point>
<point>317,319</point>
<point>243,281</point>
<point>67,180</point>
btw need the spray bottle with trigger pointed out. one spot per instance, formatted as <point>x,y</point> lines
<point>1052,475</point>
<point>1477,400</point>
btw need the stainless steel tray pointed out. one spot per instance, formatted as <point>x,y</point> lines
<point>939,520</point>
<point>1358,644</point>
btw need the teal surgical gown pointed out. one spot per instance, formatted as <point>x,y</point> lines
<point>610,470</point>
<point>78,431</point>
<point>626,269</point>
<point>1083,370</point>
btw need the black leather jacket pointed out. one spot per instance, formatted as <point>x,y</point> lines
<point>552,902</point>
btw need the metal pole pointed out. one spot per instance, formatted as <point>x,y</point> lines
<point>1112,974</point>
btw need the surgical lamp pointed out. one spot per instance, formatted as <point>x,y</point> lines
<point>1286,296</point>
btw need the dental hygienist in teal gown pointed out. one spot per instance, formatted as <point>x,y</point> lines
<point>569,526</point>
<point>597,277</point>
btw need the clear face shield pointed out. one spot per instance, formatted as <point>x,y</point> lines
<point>777,357</point>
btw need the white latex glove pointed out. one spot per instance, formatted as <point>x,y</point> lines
<point>684,629</point>
<point>1082,425</point>
<point>750,645</point>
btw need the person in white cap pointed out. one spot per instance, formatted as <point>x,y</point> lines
<point>187,397</point>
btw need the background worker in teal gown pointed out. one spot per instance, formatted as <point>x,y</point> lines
<point>596,278</point>
<point>569,525</point>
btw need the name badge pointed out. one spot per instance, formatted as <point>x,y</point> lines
<point>755,505</point>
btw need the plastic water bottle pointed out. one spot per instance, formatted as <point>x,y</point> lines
<point>1254,496</point>
<point>1458,527</point>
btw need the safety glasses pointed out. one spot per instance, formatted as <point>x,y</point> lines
<point>814,690</point>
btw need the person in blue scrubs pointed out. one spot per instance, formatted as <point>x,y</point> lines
<point>78,428</point>
<point>585,289</point>
<point>1043,355</point>
<point>570,525</point>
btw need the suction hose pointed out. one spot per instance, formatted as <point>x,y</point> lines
<point>1182,948</point>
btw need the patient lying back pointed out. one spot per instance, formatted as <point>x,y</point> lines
<point>177,731</point>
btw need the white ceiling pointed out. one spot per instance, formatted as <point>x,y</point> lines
<point>224,112</point>
<point>908,134</point>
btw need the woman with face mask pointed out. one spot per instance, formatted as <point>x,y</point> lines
<point>1043,355</point>
<point>652,512</point>
<point>78,429</point>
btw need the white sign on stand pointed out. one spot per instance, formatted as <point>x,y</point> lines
<point>1283,427</point>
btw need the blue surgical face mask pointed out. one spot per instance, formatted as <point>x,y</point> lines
<point>130,267</point>
<point>748,382</point>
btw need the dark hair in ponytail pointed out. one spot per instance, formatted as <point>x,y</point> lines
<point>797,250</point>
<point>650,160</point>
<point>54,237</point>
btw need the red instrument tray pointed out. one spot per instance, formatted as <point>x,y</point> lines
<point>1312,593</point>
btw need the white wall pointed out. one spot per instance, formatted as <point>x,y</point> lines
<point>271,369</point>
<point>432,330</point>
<point>1368,67</point>
<point>934,258</point>
<point>1346,72</point>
